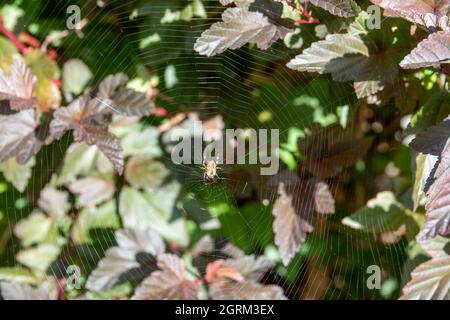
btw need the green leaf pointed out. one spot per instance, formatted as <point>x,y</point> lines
<point>170,76</point>
<point>45,69</point>
<point>144,172</point>
<point>7,51</point>
<point>435,109</point>
<point>79,160</point>
<point>17,274</point>
<point>104,216</point>
<point>140,141</point>
<point>347,58</point>
<point>424,166</point>
<point>33,229</point>
<point>17,174</point>
<point>149,40</point>
<point>155,210</point>
<point>11,15</point>
<point>383,213</point>
<point>75,76</point>
<point>40,257</point>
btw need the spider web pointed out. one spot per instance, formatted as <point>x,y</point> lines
<point>234,85</point>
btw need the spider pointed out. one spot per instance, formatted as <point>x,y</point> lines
<point>210,171</point>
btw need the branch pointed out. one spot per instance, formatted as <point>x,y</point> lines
<point>309,19</point>
<point>12,37</point>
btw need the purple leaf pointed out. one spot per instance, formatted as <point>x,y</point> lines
<point>430,281</point>
<point>20,136</point>
<point>431,51</point>
<point>424,12</point>
<point>18,86</point>
<point>90,125</point>
<point>170,282</point>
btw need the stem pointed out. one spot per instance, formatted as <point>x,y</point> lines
<point>11,36</point>
<point>308,15</point>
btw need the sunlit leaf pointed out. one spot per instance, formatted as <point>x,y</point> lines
<point>92,190</point>
<point>7,52</point>
<point>80,159</point>
<point>115,98</point>
<point>430,281</point>
<point>18,291</point>
<point>142,141</point>
<point>75,76</point>
<point>54,202</point>
<point>424,12</point>
<point>431,51</point>
<point>89,125</point>
<point>217,272</point>
<point>383,213</point>
<point>33,229</point>
<point>17,275</point>
<point>20,136</point>
<point>45,69</point>
<point>435,141</point>
<point>17,174</point>
<point>144,172</point>
<point>121,263</point>
<point>90,218</point>
<point>154,210</point>
<point>323,198</point>
<point>170,282</point>
<point>436,247</point>
<point>424,167</point>
<point>346,58</point>
<point>250,267</point>
<point>18,86</point>
<point>40,257</point>
<point>238,27</point>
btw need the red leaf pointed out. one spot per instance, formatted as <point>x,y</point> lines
<point>217,272</point>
